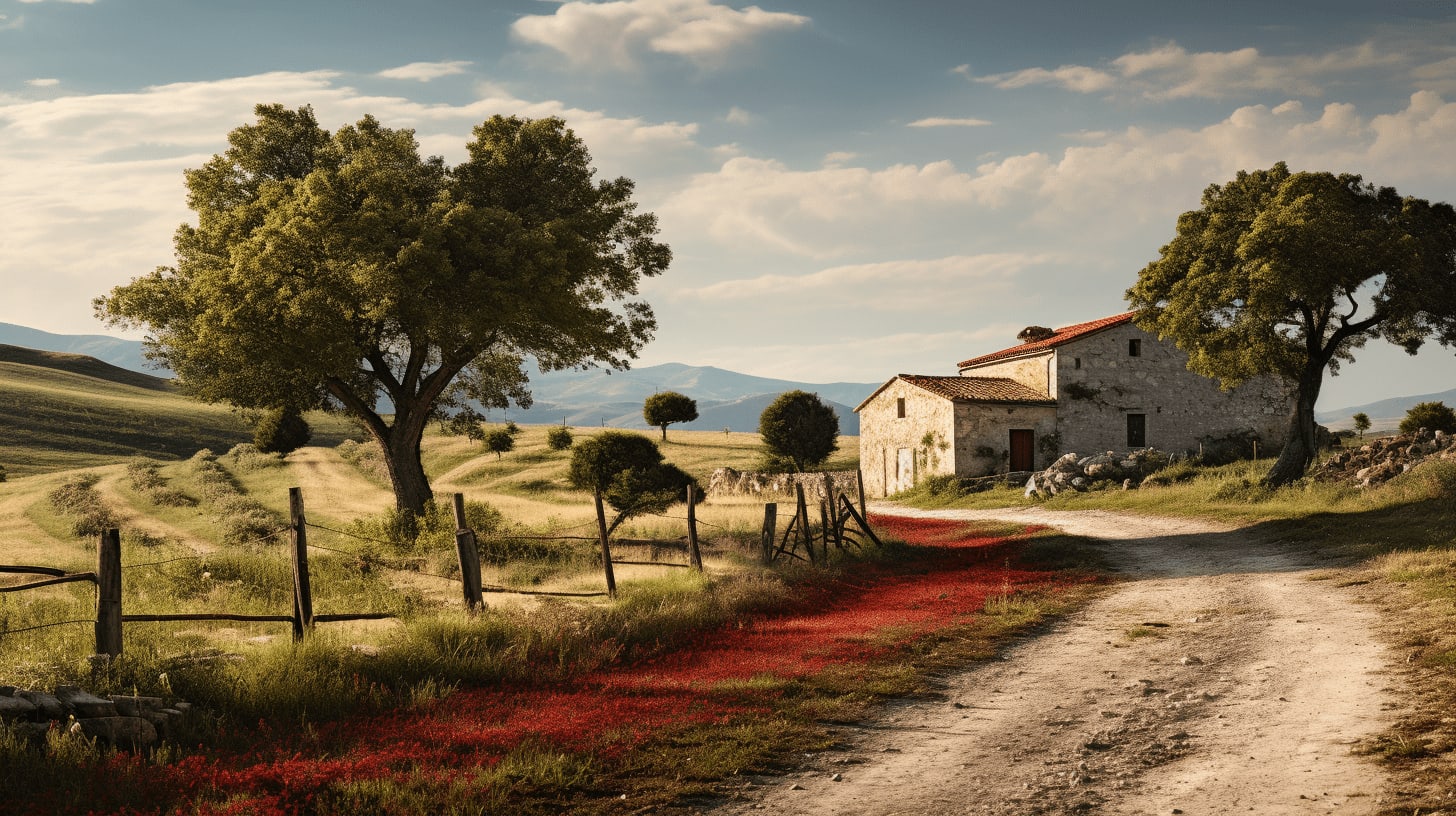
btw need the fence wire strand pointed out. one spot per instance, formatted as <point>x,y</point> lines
<point>383,565</point>
<point>167,561</point>
<point>347,534</point>
<point>5,632</point>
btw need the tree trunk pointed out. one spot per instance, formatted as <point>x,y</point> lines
<point>1300,448</point>
<point>401,445</point>
<point>664,433</point>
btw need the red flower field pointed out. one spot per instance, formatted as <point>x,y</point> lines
<point>862,616</point>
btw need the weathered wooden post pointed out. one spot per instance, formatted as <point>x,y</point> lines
<point>859,481</point>
<point>695,556</point>
<point>108,593</point>
<point>831,518</point>
<point>803,516</point>
<point>469,557</point>
<point>770,530</point>
<point>298,538</point>
<point>606,547</point>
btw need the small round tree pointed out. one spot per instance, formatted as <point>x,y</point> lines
<point>281,430</point>
<point>799,430</point>
<point>628,471</point>
<point>500,441</point>
<point>558,438</point>
<point>1362,423</point>
<point>665,408</point>
<point>1433,416</point>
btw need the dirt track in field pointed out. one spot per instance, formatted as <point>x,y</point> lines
<point>1225,675</point>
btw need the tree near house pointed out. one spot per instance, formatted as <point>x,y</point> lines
<point>344,269</point>
<point>799,430</point>
<point>667,407</point>
<point>1290,273</point>
<point>1433,416</point>
<point>1362,423</point>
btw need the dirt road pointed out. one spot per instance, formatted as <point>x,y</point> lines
<point>1228,675</point>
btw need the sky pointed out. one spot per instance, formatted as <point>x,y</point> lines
<point>851,189</point>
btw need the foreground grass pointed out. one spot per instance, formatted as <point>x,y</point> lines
<point>1399,537</point>
<point>598,702</point>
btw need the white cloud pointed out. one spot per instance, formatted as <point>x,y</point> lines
<point>943,121</point>
<point>93,183</point>
<point>614,33</point>
<point>1172,72</point>
<point>44,82</point>
<point>426,71</point>
<point>902,284</point>
<point>738,116</point>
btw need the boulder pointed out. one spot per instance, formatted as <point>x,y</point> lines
<point>122,732</point>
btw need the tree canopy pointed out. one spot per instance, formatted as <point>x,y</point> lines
<point>1288,274</point>
<point>799,430</point>
<point>1433,416</point>
<point>667,407</point>
<point>346,270</point>
<point>628,472</point>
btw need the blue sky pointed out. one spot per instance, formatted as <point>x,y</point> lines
<point>851,189</point>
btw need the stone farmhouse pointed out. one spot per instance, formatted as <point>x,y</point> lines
<point>1104,385</point>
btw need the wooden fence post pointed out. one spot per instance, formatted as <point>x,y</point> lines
<point>108,593</point>
<point>831,519</point>
<point>298,538</point>
<point>826,517</point>
<point>695,556</point>
<point>606,547</point>
<point>469,558</point>
<point>859,480</point>
<point>770,530</point>
<point>803,516</point>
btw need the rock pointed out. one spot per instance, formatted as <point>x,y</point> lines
<point>84,705</point>
<point>16,708</point>
<point>50,708</point>
<point>1190,660</point>
<point>136,706</point>
<point>122,732</point>
<point>836,778</point>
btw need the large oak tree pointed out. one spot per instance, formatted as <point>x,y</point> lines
<point>1289,273</point>
<point>346,269</point>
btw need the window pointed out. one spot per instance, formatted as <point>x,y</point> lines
<point>1135,347</point>
<point>1137,430</point>
<point>900,407</point>
<point>1076,362</point>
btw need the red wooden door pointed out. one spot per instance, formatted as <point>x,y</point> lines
<point>1023,450</point>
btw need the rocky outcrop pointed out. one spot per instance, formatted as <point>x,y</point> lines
<point>1075,472</point>
<point>1383,459</point>
<point>128,722</point>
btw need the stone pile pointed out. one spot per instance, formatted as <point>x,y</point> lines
<point>1075,472</point>
<point>128,722</point>
<point>1383,459</point>
<point>726,481</point>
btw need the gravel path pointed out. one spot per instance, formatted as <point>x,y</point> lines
<point>1227,675</point>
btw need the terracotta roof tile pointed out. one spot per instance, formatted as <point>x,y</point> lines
<point>978,389</point>
<point>1062,335</point>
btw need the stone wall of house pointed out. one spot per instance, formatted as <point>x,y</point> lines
<point>1034,372</point>
<point>1099,384</point>
<point>983,435</point>
<point>893,453</point>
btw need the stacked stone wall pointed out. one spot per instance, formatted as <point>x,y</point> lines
<point>123,721</point>
<point>729,482</point>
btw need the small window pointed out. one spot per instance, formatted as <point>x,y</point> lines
<point>1076,362</point>
<point>900,407</point>
<point>1137,430</point>
<point>1135,347</point>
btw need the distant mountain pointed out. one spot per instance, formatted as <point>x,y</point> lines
<point>1385,414</point>
<point>84,365</point>
<point>726,399</point>
<point>116,351</point>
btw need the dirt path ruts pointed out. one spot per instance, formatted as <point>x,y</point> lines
<point>1222,678</point>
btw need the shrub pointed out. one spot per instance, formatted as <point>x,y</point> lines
<point>1229,448</point>
<point>3,474</point>
<point>147,479</point>
<point>1433,416</point>
<point>500,441</point>
<point>78,499</point>
<point>281,430</point>
<point>246,457</point>
<point>366,457</point>
<point>558,438</point>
